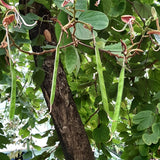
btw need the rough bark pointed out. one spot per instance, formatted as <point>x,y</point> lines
<point>71,132</point>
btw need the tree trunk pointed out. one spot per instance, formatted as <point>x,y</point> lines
<point>71,132</point>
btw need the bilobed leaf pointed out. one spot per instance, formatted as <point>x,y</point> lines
<point>143,9</point>
<point>83,33</point>
<point>98,20</point>
<point>101,134</point>
<point>154,137</point>
<point>156,129</point>
<point>117,48</point>
<point>150,138</point>
<point>117,8</point>
<point>72,59</point>
<point>144,119</point>
<point>107,7</point>
<point>80,5</point>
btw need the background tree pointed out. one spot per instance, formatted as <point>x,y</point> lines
<point>113,77</point>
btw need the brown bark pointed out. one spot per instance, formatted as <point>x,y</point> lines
<point>71,132</point>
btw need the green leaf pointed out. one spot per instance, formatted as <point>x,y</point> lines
<point>97,19</point>
<point>63,18</point>
<point>45,3</point>
<point>157,96</point>
<point>29,18</point>
<point>144,119</point>
<point>83,33</point>
<point>103,117</point>
<point>2,51</point>
<point>38,77</point>
<point>101,133</point>
<point>143,9</point>
<point>107,7</point>
<point>154,137</point>
<point>80,5</point>
<point>53,139</point>
<point>72,59</point>
<point>3,141</point>
<point>27,155</point>
<point>24,132</point>
<point>43,155</point>
<point>1,126</point>
<point>156,129</point>
<point>158,106</point>
<point>46,47</point>
<point>143,149</point>
<point>1,131</point>
<point>117,8</point>
<point>115,48</point>
<point>30,92</point>
<point>4,156</point>
<point>150,138</point>
<point>31,122</point>
<point>38,41</point>
<point>59,153</point>
<point>138,158</point>
<point>101,42</point>
<point>37,136</point>
<point>147,1</point>
<point>36,147</point>
<point>43,120</point>
<point>121,127</point>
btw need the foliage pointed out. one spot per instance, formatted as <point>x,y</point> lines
<point>95,58</point>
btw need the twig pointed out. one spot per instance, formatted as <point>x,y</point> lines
<point>92,115</point>
<point>102,50</point>
<point>38,53</point>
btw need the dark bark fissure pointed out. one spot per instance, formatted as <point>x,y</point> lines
<point>73,138</point>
